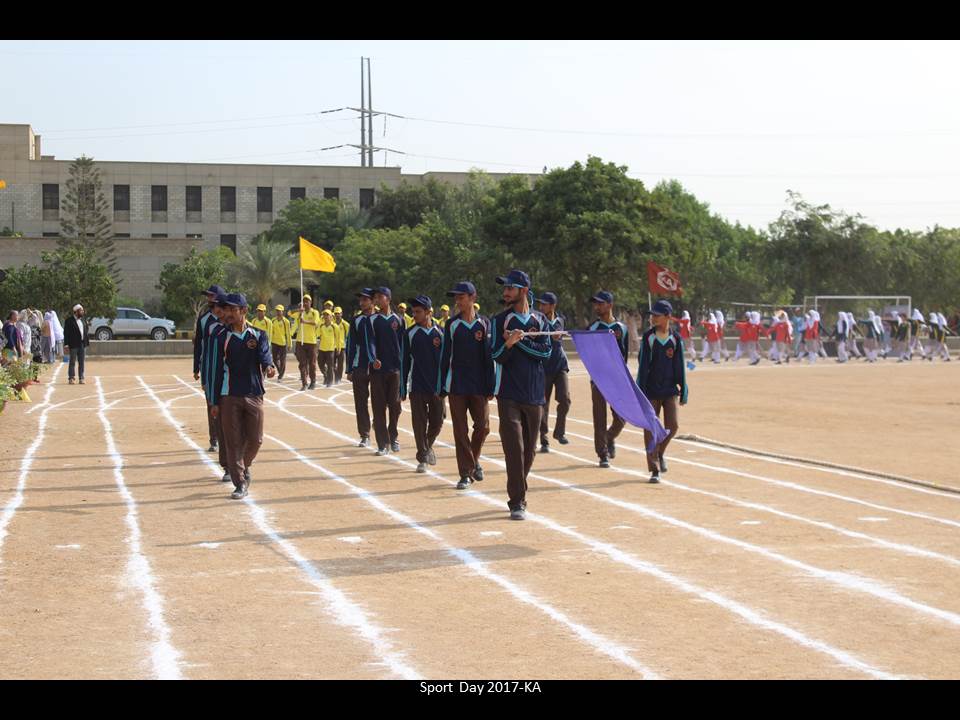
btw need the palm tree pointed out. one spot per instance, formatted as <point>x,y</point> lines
<point>264,268</point>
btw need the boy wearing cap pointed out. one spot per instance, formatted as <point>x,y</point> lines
<point>261,321</point>
<point>555,376</point>
<point>327,345</point>
<point>306,321</point>
<point>467,372</point>
<point>444,316</point>
<point>280,341</point>
<point>423,348</point>
<point>239,393</point>
<point>387,367</point>
<point>213,293</point>
<point>359,356</point>
<point>662,379</point>
<point>604,437</point>
<point>210,358</point>
<point>343,329</point>
<point>408,321</point>
<point>519,383</point>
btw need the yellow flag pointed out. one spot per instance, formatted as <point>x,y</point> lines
<point>2,184</point>
<point>314,258</point>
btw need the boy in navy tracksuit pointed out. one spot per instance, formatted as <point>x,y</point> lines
<point>387,367</point>
<point>604,437</point>
<point>239,394</point>
<point>555,371</point>
<point>519,385</point>
<point>467,371</point>
<point>423,347</point>
<point>213,293</point>
<point>662,379</point>
<point>359,357</point>
<point>211,357</point>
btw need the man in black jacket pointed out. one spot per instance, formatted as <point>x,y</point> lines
<point>77,338</point>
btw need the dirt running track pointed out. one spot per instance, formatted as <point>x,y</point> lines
<point>121,554</point>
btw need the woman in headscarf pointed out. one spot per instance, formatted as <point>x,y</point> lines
<point>841,334</point>
<point>58,336</point>
<point>898,335</point>
<point>721,326</point>
<point>687,336</point>
<point>810,336</point>
<point>47,340</point>
<point>26,336</point>
<point>780,347</point>
<point>852,331</point>
<point>714,338</point>
<point>937,345</point>
<point>916,325</point>
<point>874,334</point>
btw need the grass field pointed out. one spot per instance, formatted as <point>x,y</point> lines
<point>121,554</point>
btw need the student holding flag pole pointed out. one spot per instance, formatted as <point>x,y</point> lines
<point>307,319</point>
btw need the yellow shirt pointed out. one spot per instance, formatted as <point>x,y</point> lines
<point>264,325</point>
<point>328,337</point>
<point>280,332</point>
<point>343,332</point>
<point>307,334</point>
<point>410,322</point>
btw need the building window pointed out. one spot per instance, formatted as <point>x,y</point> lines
<point>158,235</point>
<point>264,199</point>
<point>194,198</point>
<point>194,236</point>
<point>51,234</point>
<point>298,193</point>
<point>228,199</point>
<point>229,241</point>
<point>158,198</point>
<point>121,235</point>
<point>121,198</point>
<point>366,198</point>
<point>331,193</point>
<point>51,202</point>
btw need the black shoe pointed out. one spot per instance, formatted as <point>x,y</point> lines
<point>431,457</point>
<point>611,450</point>
<point>478,473</point>
<point>518,514</point>
<point>382,451</point>
<point>239,493</point>
<point>663,464</point>
<point>544,447</point>
<point>563,440</point>
<point>395,446</point>
<point>226,477</point>
<point>421,467</point>
<point>212,448</point>
<point>246,477</point>
<point>364,441</point>
<point>303,387</point>
<point>604,462</point>
<point>312,386</point>
<point>654,477</point>
<point>464,483</point>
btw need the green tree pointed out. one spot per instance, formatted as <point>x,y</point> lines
<point>182,282</point>
<point>317,220</point>
<point>84,210</point>
<point>407,204</point>
<point>264,268</point>
<point>374,257</point>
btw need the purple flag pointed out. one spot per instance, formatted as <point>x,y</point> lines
<point>601,356</point>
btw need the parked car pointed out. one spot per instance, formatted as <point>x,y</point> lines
<point>131,322</point>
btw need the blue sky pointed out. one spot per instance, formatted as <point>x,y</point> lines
<point>870,127</point>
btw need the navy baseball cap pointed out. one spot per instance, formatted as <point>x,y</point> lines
<point>421,301</point>
<point>662,307</point>
<point>365,292</point>
<point>235,299</point>
<point>548,298</point>
<point>515,278</point>
<point>383,291</point>
<point>215,290</point>
<point>604,296</point>
<point>462,288</point>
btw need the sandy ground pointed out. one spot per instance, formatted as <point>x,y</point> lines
<point>121,554</point>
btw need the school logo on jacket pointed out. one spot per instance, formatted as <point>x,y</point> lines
<point>618,333</point>
<point>436,342</point>
<point>478,335</point>
<point>252,344</point>
<point>394,325</point>
<point>670,353</point>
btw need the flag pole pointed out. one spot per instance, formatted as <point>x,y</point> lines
<point>300,317</point>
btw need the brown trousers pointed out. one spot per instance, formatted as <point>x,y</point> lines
<point>669,405</point>
<point>338,359</point>
<point>242,421</point>
<point>384,395</point>
<point>469,448</point>
<point>602,435</point>
<point>518,435</point>
<point>326,366</point>
<point>307,357</point>
<point>560,383</point>
<point>215,426</point>
<point>361,394</point>
<point>427,411</point>
<point>279,353</point>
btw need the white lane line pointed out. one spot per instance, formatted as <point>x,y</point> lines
<point>491,533</point>
<point>27,461</point>
<point>343,610</point>
<point>84,397</point>
<point>352,539</point>
<point>167,660</point>
<point>751,522</point>
<point>592,638</point>
<point>208,545</point>
<point>68,547</point>
<point>873,519</point>
<point>752,616</point>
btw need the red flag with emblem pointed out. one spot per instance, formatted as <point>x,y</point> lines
<point>663,281</point>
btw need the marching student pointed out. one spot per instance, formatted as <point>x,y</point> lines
<point>519,384</point>
<point>306,321</point>
<point>721,328</point>
<point>853,330</point>
<point>211,357</point>
<point>743,333</point>
<point>387,367</point>
<point>873,336</point>
<point>343,331</point>
<point>327,335</point>
<point>555,371</point>
<point>841,334</point>
<point>467,372</point>
<point>239,395</point>
<point>900,331</point>
<point>916,324</point>
<point>821,351</point>
<point>687,336</point>
<point>444,316</point>
<point>359,356</point>
<point>281,341</point>
<point>781,330</point>
<point>423,349</point>
<point>213,293</point>
<point>407,319</point>
<point>714,338</point>
<point>261,321</point>
<point>810,332</point>
<point>662,379</point>
<point>603,436</point>
<point>799,322</point>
